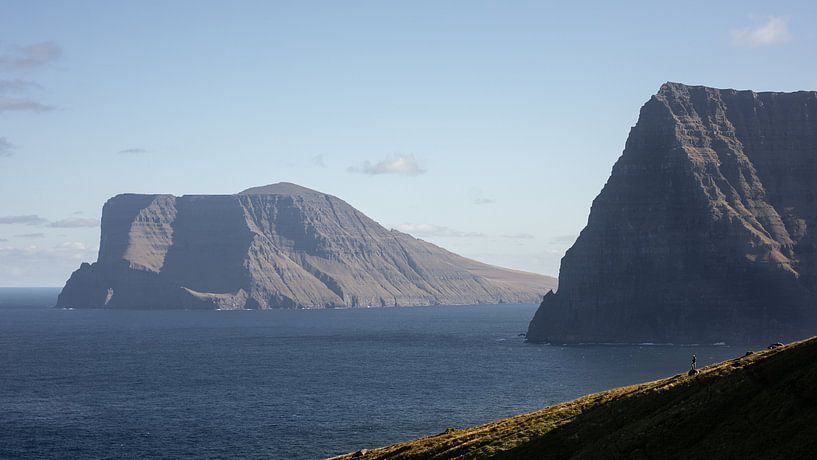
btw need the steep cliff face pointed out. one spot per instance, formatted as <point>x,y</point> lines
<point>279,246</point>
<point>705,231</point>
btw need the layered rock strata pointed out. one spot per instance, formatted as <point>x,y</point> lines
<point>706,230</point>
<point>278,246</point>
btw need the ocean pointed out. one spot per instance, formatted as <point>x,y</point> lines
<point>288,384</point>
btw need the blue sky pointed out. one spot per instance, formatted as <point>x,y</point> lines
<point>485,127</point>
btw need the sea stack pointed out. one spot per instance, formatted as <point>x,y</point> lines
<point>277,246</point>
<point>706,230</point>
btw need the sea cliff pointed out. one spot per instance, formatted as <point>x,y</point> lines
<point>706,230</point>
<point>277,246</point>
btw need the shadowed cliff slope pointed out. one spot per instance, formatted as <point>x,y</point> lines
<point>278,246</point>
<point>705,231</point>
<point>763,405</point>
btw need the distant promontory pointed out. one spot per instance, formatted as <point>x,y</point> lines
<point>277,246</point>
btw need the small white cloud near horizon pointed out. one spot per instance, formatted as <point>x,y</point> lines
<point>17,86</point>
<point>431,230</point>
<point>518,236</point>
<point>774,30</point>
<point>561,240</point>
<point>30,235</point>
<point>6,148</point>
<point>319,161</point>
<point>404,165</point>
<point>30,56</point>
<point>477,196</point>
<point>47,265</point>
<point>75,222</point>
<point>23,105</point>
<point>31,219</point>
<point>133,151</point>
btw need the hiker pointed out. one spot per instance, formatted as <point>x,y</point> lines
<point>694,362</point>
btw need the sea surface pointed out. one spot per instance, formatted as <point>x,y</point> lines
<point>283,384</point>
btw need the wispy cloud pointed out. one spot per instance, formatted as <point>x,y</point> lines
<point>3,240</point>
<point>23,220</point>
<point>544,262</point>
<point>17,86</point>
<point>518,236</point>
<point>405,165</point>
<point>6,148</point>
<point>31,56</point>
<point>75,222</point>
<point>477,196</point>
<point>23,105</point>
<point>430,230</point>
<point>319,161</point>
<point>773,30</point>
<point>33,219</point>
<point>13,92</point>
<point>133,151</point>
<point>561,240</point>
<point>48,265</point>
<point>30,235</point>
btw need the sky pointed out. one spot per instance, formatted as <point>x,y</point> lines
<point>484,127</point>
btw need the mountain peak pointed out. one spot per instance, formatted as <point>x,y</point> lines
<point>280,188</point>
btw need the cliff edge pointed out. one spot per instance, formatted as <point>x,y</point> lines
<point>277,246</point>
<point>706,230</point>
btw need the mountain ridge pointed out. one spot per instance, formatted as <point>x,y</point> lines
<point>275,246</point>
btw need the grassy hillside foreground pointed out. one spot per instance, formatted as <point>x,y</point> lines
<point>763,405</point>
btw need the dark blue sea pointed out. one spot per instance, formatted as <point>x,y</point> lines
<point>282,384</point>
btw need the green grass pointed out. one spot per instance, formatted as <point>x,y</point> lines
<point>763,405</point>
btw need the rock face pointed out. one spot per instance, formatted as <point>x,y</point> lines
<point>279,246</point>
<point>706,230</point>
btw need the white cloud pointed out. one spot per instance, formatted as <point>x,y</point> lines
<point>30,219</point>
<point>478,197</point>
<point>30,235</point>
<point>545,262</point>
<point>23,105</point>
<point>319,161</point>
<point>405,165</point>
<point>17,86</point>
<point>774,30</point>
<point>75,222</point>
<point>26,57</point>
<point>6,147</point>
<point>34,265</point>
<point>73,246</point>
<point>518,236</point>
<point>561,240</point>
<point>430,230</point>
<point>133,151</point>
<point>439,231</point>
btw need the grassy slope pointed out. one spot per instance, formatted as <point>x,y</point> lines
<point>759,406</point>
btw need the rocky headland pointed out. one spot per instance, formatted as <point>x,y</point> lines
<point>706,230</point>
<point>277,246</point>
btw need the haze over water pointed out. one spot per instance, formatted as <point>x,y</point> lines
<point>283,384</point>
